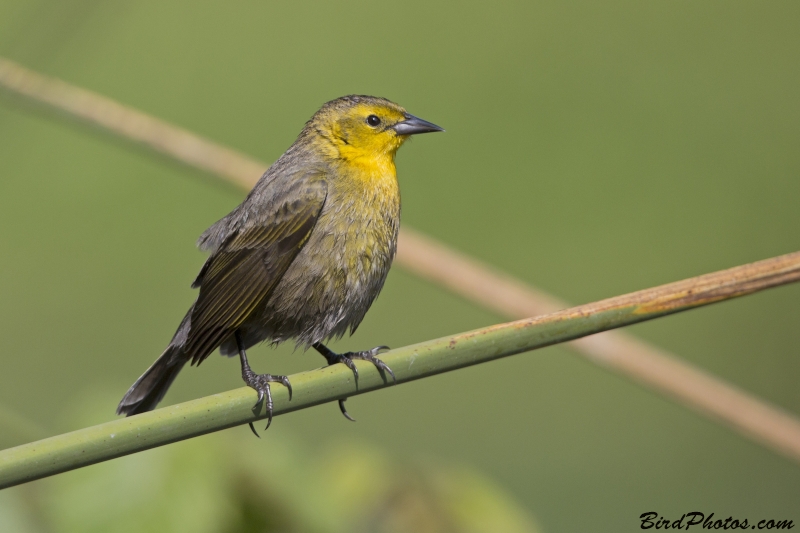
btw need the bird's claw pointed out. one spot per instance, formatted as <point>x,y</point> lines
<point>348,362</point>
<point>347,359</point>
<point>366,355</point>
<point>260,383</point>
<point>371,356</point>
<point>344,411</point>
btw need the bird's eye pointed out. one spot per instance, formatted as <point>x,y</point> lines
<point>373,121</point>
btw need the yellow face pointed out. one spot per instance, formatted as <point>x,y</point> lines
<point>365,130</point>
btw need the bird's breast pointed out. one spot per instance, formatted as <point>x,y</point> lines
<point>342,267</point>
<point>362,221</point>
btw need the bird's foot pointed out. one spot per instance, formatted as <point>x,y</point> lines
<point>371,356</point>
<point>260,383</point>
<point>347,359</point>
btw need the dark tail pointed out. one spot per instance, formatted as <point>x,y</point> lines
<point>149,389</point>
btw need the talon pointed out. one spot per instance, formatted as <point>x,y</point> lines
<point>344,411</point>
<point>260,383</point>
<point>253,429</point>
<point>352,366</point>
<point>260,398</point>
<point>370,356</point>
<point>385,367</point>
<point>269,404</point>
<point>347,359</point>
<point>285,382</point>
<point>342,358</point>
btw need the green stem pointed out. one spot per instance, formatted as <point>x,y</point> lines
<point>213,413</point>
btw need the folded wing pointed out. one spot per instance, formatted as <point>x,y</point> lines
<point>242,273</point>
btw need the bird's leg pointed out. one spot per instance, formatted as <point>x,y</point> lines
<point>259,382</point>
<point>347,359</point>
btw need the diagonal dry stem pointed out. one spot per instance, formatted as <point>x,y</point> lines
<point>169,424</point>
<point>623,353</point>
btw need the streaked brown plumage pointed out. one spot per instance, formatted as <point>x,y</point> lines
<point>306,253</point>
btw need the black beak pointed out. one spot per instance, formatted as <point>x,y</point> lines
<point>413,125</point>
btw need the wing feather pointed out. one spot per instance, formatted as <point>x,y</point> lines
<point>244,270</point>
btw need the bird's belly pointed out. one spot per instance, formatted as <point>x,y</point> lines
<point>334,278</point>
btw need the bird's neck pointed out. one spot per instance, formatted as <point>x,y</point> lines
<point>368,166</point>
<point>374,180</point>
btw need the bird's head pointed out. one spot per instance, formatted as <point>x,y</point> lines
<point>355,127</point>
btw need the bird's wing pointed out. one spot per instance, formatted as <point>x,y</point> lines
<point>245,269</point>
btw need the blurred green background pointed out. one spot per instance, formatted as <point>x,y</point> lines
<point>592,148</point>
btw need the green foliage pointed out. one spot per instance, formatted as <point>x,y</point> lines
<point>234,483</point>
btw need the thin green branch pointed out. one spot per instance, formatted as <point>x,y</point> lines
<point>213,413</point>
<point>647,365</point>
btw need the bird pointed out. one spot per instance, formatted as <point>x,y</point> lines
<point>303,257</point>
